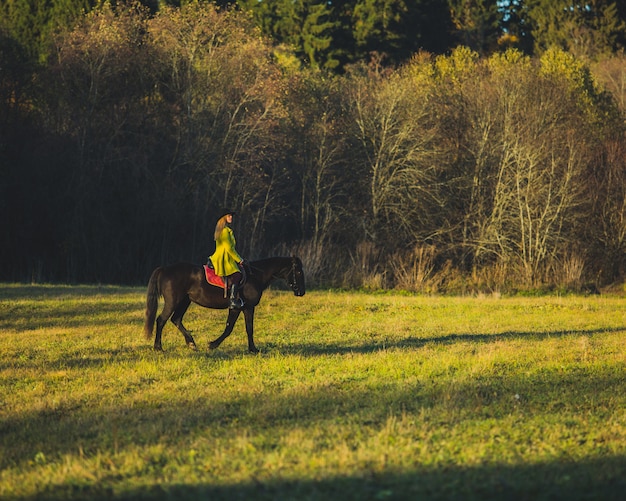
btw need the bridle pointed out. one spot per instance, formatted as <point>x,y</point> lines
<point>293,283</point>
<point>291,277</point>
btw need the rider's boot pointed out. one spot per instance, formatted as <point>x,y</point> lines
<point>235,302</point>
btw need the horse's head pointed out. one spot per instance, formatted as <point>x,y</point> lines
<point>296,277</point>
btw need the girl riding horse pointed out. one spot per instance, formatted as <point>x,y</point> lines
<point>226,262</point>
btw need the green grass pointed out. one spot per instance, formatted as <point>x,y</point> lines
<point>355,396</point>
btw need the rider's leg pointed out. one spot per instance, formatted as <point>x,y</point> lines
<point>235,301</point>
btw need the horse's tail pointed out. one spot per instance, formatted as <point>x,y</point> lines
<point>152,302</point>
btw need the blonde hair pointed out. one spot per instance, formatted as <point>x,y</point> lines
<point>221,224</point>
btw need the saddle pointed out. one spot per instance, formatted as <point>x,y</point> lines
<point>217,281</point>
<point>212,278</point>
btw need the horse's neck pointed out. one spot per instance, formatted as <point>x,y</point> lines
<point>276,269</point>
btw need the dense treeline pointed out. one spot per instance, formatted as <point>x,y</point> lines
<point>331,34</point>
<point>465,171</point>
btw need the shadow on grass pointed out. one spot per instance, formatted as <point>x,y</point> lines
<point>587,480</point>
<point>70,314</point>
<point>14,292</point>
<point>142,416</point>
<point>79,358</point>
<point>313,349</point>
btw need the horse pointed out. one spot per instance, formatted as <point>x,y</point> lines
<point>183,283</point>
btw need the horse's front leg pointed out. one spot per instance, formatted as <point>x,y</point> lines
<point>233,315</point>
<point>249,316</point>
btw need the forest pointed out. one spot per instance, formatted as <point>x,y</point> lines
<point>452,146</point>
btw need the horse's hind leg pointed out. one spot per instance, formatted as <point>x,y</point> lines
<point>177,320</point>
<point>160,323</point>
<point>230,323</point>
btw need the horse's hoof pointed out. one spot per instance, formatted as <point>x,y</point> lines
<point>213,345</point>
<point>254,350</point>
<point>192,346</point>
<point>158,349</point>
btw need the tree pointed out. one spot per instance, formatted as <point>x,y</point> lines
<point>587,29</point>
<point>397,29</point>
<point>224,90</point>
<point>317,152</point>
<point>330,35</point>
<point>478,24</point>
<point>470,104</point>
<point>33,22</point>
<point>525,143</point>
<point>611,76</point>
<point>18,135</point>
<point>607,195</point>
<point>396,137</point>
<point>97,89</point>
<point>546,145</point>
<point>607,175</point>
<point>515,26</point>
<point>307,26</point>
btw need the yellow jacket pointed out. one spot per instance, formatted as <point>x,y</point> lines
<point>225,259</point>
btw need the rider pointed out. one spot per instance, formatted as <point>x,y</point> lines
<point>226,261</point>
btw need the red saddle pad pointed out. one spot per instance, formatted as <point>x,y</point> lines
<point>212,278</point>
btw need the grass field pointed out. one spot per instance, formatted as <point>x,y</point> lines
<point>354,397</point>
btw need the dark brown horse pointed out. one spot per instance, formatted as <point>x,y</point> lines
<point>182,283</point>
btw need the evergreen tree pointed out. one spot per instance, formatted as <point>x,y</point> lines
<point>329,34</point>
<point>478,23</point>
<point>32,22</point>
<point>515,26</point>
<point>305,25</point>
<point>399,28</point>
<point>587,29</point>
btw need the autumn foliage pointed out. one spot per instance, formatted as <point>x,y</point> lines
<point>458,172</point>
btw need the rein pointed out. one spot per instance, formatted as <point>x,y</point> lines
<point>291,276</point>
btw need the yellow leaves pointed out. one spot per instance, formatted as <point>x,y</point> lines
<point>287,60</point>
<point>560,65</point>
<point>502,62</point>
<point>508,39</point>
<point>459,65</point>
<point>420,70</point>
<point>509,70</point>
<point>104,36</point>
